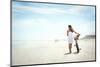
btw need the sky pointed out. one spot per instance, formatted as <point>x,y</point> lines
<point>43,21</point>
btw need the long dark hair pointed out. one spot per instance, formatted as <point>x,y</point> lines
<point>70,28</point>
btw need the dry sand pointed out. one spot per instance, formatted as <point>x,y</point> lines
<point>41,52</point>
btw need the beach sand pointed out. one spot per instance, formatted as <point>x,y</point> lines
<point>41,52</point>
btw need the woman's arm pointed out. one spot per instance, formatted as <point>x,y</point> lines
<point>77,33</point>
<point>77,36</point>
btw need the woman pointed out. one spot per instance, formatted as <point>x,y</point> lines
<point>71,38</point>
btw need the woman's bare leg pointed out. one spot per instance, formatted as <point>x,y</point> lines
<point>70,47</point>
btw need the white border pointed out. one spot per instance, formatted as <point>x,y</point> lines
<point>5,33</point>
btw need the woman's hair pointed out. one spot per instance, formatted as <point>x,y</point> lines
<point>70,28</point>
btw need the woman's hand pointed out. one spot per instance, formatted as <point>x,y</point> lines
<point>77,36</point>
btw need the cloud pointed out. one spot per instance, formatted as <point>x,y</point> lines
<point>48,10</point>
<point>41,10</point>
<point>76,9</point>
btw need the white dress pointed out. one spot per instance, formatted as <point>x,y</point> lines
<point>70,37</point>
